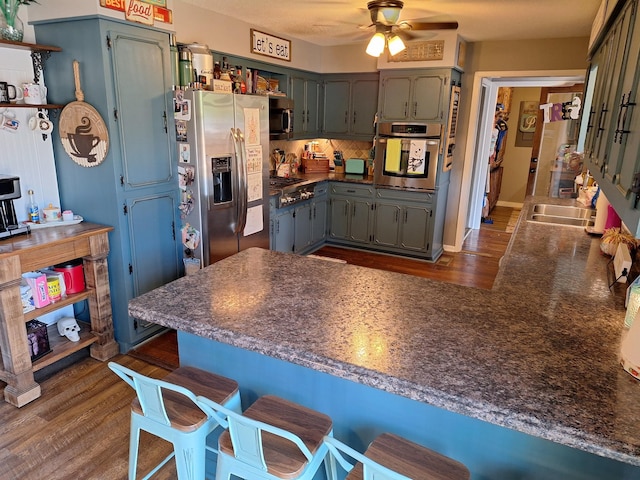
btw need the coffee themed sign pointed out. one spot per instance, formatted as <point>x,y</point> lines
<point>82,130</point>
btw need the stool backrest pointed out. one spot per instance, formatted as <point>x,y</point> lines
<point>246,434</point>
<point>151,393</point>
<point>371,470</point>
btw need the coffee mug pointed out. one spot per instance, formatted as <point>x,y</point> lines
<point>40,123</point>
<point>9,93</point>
<point>8,120</point>
<point>34,94</point>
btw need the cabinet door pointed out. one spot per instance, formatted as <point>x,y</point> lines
<point>427,98</point>
<point>619,42</point>
<point>396,92</point>
<point>340,208</point>
<point>312,119</point>
<point>364,104</point>
<point>626,138</point>
<point>302,227</point>
<point>142,108</point>
<point>386,224</point>
<point>359,221</point>
<point>298,94</point>
<point>319,221</point>
<point>283,233</point>
<point>336,106</point>
<point>414,228</point>
<point>152,230</point>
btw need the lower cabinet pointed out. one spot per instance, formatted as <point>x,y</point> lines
<point>388,220</point>
<point>351,213</point>
<point>302,227</point>
<point>402,220</point>
<point>362,216</point>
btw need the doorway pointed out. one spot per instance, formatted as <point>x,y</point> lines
<point>483,100</point>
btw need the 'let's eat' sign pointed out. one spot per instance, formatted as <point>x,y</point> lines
<point>269,45</point>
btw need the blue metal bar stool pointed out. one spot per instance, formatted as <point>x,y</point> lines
<point>390,457</point>
<point>273,439</point>
<point>168,409</point>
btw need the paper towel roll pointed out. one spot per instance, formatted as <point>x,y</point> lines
<point>602,205</point>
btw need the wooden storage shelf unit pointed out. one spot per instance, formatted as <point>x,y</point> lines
<point>43,106</point>
<point>63,302</point>
<point>62,347</point>
<point>39,249</point>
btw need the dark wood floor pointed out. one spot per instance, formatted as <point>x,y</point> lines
<point>79,428</point>
<point>475,266</point>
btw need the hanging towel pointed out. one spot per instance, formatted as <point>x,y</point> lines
<point>392,160</point>
<point>417,157</point>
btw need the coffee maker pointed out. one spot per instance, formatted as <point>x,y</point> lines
<point>9,191</point>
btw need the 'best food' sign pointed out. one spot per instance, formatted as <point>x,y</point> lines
<point>269,45</point>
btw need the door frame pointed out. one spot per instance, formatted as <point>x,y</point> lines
<point>465,202</point>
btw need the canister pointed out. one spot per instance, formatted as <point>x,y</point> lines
<point>73,275</point>
<point>53,288</point>
<point>175,69</point>
<point>185,66</point>
<point>202,62</point>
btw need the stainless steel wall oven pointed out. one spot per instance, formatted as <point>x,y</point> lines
<point>407,155</point>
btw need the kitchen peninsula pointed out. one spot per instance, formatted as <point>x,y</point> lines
<point>519,382</point>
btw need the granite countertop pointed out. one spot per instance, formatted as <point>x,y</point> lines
<point>538,353</point>
<point>311,178</point>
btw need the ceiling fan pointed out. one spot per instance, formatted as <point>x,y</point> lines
<point>384,17</point>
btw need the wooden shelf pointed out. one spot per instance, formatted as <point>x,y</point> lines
<point>49,106</point>
<point>34,47</point>
<point>62,347</point>
<point>63,302</point>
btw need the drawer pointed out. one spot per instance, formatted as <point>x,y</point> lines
<point>320,189</point>
<point>352,189</point>
<point>404,195</point>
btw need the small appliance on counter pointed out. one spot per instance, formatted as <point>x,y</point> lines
<point>9,191</point>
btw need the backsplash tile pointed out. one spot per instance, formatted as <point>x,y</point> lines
<point>349,148</point>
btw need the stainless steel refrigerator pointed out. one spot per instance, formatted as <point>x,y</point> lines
<point>223,145</point>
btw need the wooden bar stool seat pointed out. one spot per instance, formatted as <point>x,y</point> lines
<point>390,457</point>
<point>168,409</point>
<point>272,439</point>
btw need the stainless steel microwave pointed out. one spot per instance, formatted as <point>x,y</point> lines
<point>280,118</point>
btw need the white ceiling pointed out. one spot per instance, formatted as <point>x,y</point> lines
<point>338,22</point>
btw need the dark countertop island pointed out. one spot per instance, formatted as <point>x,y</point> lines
<point>537,354</point>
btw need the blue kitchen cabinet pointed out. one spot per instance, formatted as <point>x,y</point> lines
<point>416,95</point>
<point>302,237</point>
<point>402,221</point>
<point>350,213</point>
<point>611,125</point>
<point>281,227</point>
<point>350,102</point>
<point>125,74</point>
<point>305,92</point>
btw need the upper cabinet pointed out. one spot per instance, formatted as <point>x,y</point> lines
<point>415,95</point>
<point>612,123</point>
<point>304,89</point>
<point>350,105</point>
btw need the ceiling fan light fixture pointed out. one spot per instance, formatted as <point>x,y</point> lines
<point>386,12</point>
<point>395,44</point>
<point>376,45</point>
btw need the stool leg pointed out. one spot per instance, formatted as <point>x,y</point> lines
<point>134,440</point>
<point>190,455</point>
<point>223,472</point>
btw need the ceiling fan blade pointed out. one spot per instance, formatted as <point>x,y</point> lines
<point>432,25</point>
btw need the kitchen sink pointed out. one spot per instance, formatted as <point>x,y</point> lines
<point>563,211</point>
<point>563,215</point>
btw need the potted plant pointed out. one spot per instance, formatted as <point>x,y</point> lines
<point>11,27</point>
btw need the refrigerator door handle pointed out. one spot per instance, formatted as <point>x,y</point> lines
<point>241,169</point>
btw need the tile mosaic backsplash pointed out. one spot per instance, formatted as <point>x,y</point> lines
<point>349,148</point>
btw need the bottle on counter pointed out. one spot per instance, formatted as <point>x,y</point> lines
<point>34,211</point>
<point>216,70</point>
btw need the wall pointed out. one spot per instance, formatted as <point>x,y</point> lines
<point>516,159</point>
<point>24,153</point>
<point>491,60</point>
